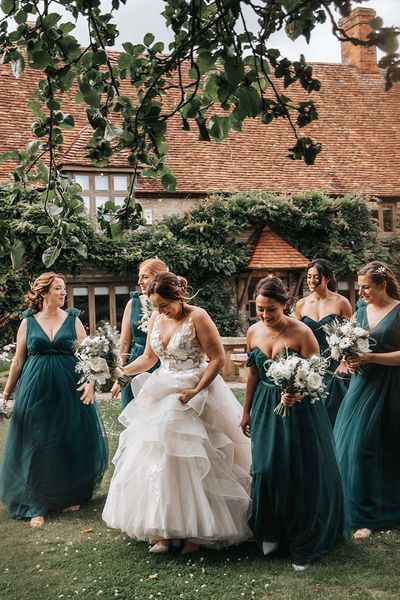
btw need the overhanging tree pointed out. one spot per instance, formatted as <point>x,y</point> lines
<point>216,73</point>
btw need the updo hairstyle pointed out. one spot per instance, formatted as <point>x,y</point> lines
<point>169,286</point>
<point>41,285</point>
<point>153,266</point>
<point>324,269</point>
<point>273,287</point>
<point>380,273</point>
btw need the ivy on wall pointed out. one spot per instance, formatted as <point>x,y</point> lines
<point>202,244</point>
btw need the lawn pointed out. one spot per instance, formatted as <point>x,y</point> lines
<point>76,556</point>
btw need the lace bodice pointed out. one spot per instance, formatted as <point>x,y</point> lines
<point>183,351</point>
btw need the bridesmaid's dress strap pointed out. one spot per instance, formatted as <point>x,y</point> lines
<point>74,312</point>
<point>29,312</point>
<point>134,295</point>
<point>251,357</point>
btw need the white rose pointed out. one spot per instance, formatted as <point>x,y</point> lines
<point>359,331</point>
<point>99,365</point>
<point>363,345</point>
<point>346,328</point>
<point>314,381</point>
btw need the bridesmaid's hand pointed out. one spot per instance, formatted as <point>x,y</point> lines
<point>291,399</point>
<point>342,369</point>
<point>115,390</point>
<point>186,395</point>
<point>354,362</point>
<point>88,393</point>
<point>245,424</point>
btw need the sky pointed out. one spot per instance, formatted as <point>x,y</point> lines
<point>141,16</point>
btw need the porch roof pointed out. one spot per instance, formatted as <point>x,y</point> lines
<point>272,252</point>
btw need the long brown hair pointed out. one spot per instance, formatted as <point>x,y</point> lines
<point>154,266</point>
<point>169,286</point>
<point>324,269</point>
<point>41,285</point>
<point>380,273</point>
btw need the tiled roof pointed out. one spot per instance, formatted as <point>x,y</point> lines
<point>359,128</point>
<point>272,252</point>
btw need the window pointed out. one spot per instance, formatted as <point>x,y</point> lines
<point>98,188</point>
<point>385,215</point>
<point>148,215</point>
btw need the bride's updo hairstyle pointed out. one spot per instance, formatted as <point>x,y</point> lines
<point>380,273</point>
<point>273,287</point>
<point>41,285</point>
<point>324,269</point>
<point>169,286</point>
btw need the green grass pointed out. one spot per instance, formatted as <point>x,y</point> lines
<point>63,561</point>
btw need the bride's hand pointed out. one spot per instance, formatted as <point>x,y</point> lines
<point>186,395</point>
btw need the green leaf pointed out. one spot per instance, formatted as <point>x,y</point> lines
<point>168,182</point>
<point>54,210</point>
<point>205,61</point>
<point>17,251</point>
<point>9,155</point>
<point>249,102</point>
<point>40,60</point>
<point>234,70</point>
<point>148,39</point>
<point>7,6</point>
<point>81,249</point>
<point>50,255</point>
<point>99,57</point>
<point>43,229</point>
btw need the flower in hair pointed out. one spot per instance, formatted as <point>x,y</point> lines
<point>381,270</point>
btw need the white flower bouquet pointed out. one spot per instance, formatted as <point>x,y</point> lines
<point>98,357</point>
<point>147,310</point>
<point>7,353</point>
<point>346,338</point>
<point>295,374</point>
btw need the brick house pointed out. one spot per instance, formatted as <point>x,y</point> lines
<point>359,128</point>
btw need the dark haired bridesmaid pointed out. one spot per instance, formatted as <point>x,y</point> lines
<point>297,498</point>
<point>321,307</point>
<point>367,429</point>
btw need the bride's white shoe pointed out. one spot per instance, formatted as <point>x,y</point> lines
<point>160,547</point>
<point>268,547</point>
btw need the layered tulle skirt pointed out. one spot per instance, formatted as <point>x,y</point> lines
<point>181,470</point>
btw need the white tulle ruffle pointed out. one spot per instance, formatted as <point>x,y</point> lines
<point>181,470</point>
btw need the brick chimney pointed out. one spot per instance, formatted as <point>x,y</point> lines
<point>357,25</point>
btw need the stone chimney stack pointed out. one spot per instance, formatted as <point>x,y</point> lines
<point>357,25</point>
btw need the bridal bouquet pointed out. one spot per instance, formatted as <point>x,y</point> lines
<point>346,338</point>
<point>296,374</point>
<point>98,357</point>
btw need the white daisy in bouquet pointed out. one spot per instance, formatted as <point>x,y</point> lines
<point>294,374</point>
<point>7,353</point>
<point>98,357</point>
<point>346,337</point>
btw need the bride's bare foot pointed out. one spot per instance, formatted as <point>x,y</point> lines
<point>362,534</point>
<point>37,522</point>
<point>160,547</point>
<point>73,508</point>
<point>189,547</point>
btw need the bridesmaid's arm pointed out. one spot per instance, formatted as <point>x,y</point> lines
<point>252,381</point>
<point>18,360</point>
<point>126,334</point>
<point>210,342</point>
<point>148,359</point>
<point>297,309</point>
<point>345,308</point>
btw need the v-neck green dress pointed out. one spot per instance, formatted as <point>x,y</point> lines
<point>336,385</point>
<point>139,338</point>
<point>367,433</point>
<point>297,497</point>
<point>56,450</point>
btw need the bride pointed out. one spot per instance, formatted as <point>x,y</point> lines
<point>181,468</point>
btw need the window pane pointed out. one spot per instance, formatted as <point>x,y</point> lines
<point>148,215</point>
<point>120,182</point>
<point>83,181</point>
<point>343,285</point>
<point>119,200</point>
<point>86,202</point>
<point>81,302</point>
<point>375,215</point>
<point>387,219</point>
<point>100,200</point>
<point>121,298</point>
<point>102,303</point>
<point>101,182</point>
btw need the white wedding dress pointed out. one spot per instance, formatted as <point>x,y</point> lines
<point>181,470</point>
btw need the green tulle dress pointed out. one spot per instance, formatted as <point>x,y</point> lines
<point>367,433</point>
<point>56,450</point>
<point>297,497</point>
<point>138,343</point>
<point>336,385</point>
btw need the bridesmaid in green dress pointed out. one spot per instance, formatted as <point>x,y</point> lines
<point>321,307</point>
<point>367,429</point>
<point>134,323</point>
<point>56,450</point>
<point>297,497</point>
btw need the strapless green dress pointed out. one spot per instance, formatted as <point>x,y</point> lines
<point>336,385</point>
<point>297,496</point>
<point>56,450</point>
<point>367,433</point>
<point>138,343</point>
